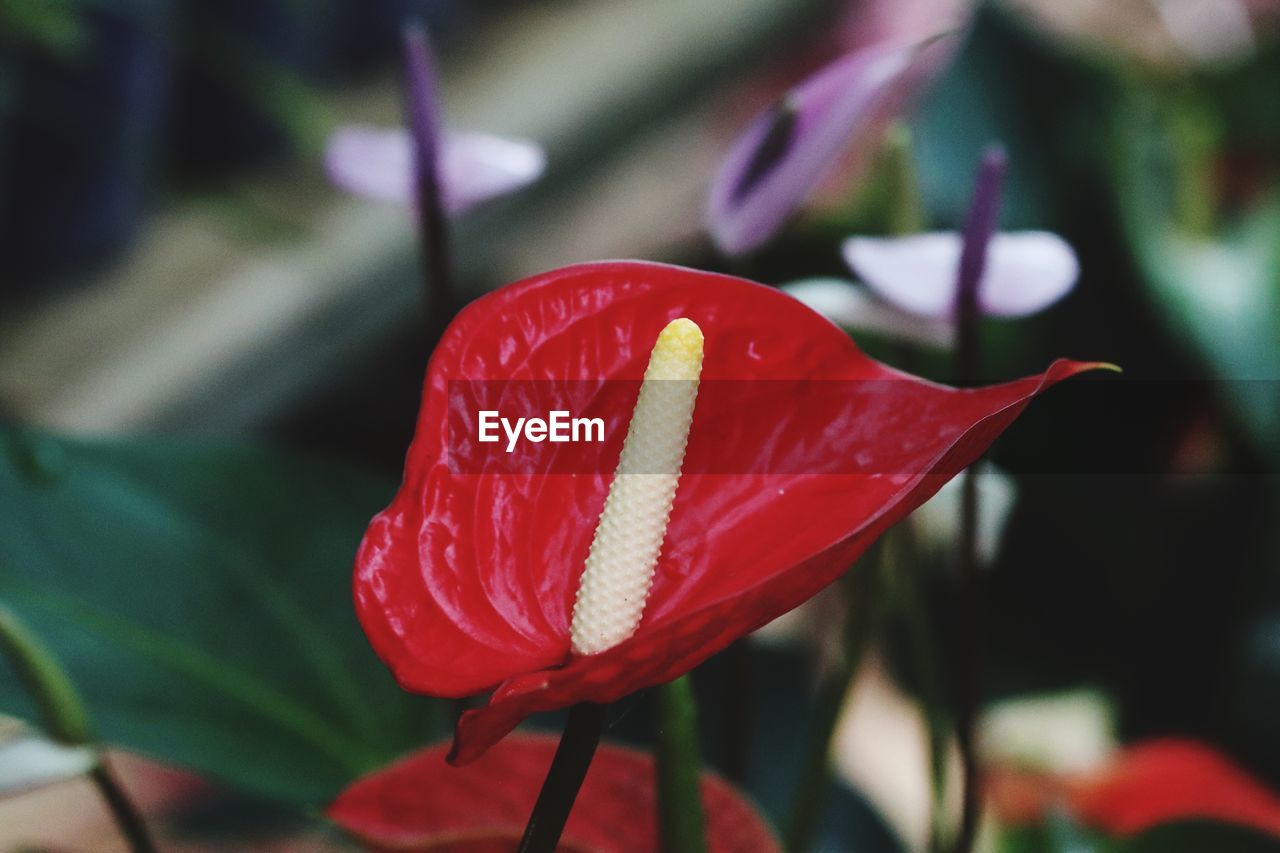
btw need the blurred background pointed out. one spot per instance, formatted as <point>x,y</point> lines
<point>175,267</point>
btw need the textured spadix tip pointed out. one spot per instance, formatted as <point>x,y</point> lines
<point>628,538</point>
<point>677,354</point>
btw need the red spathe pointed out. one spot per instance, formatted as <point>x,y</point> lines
<point>466,581</point>
<point>422,803</point>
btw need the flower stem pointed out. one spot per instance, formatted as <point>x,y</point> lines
<point>63,716</point>
<point>810,797</point>
<point>441,303</point>
<point>1195,140</point>
<point>679,795</point>
<point>906,208</point>
<point>422,106</point>
<point>62,712</point>
<point>969,666</point>
<point>984,213</point>
<point>911,604</point>
<point>739,711</point>
<point>564,778</point>
<point>126,815</point>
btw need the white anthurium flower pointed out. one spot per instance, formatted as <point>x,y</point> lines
<point>938,520</point>
<point>1026,272</point>
<point>1208,31</point>
<point>880,748</point>
<point>1059,733</point>
<point>1166,34</point>
<point>30,760</point>
<point>378,163</point>
<point>854,309</point>
<point>816,626</point>
<point>397,164</point>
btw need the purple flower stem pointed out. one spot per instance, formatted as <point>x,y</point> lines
<point>979,228</point>
<point>984,213</point>
<point>422,107</point>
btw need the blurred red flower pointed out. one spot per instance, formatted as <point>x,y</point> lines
<point>421,803</point>
<point>1173,779</point>
<point>1143,786</point>
<point>467,580</point>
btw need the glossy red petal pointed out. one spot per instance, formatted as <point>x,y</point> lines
<point>468,579</point>
<point>1172,779</point>
<point>421,802</point>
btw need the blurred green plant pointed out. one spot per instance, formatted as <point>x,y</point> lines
<point>61,711</point>
<point>198,595</point>
<point>53,25</point>
<point>1195,836</point>
<point>1212,272</point>
<point>1060,834</point>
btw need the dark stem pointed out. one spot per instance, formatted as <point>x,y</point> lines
<point>437,265</point>
<point>809,800</point>
<point>126,815</point>
<point>65,719</point>
<point>969,666</point>
<point>680,814</point>
<point>910,599</point>
<point>739,712</point>
<point>424,112</point>
<point>564,778</point>
<point>981,225</point>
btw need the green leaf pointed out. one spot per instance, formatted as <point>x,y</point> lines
<point>1197,836</point>
<point>199,596</point>
<point>1219,291</point>
<point>53,25</point>
<point>61,710</point>
<point>996,90</point>
<point>1059,833</point>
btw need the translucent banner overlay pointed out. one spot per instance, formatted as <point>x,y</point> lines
<point>831,427</point>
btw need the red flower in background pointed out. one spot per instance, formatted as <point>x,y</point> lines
<point>467,580</point>
<point>1142,787</point>
<point>421,803</point>
<point>1165,780</point>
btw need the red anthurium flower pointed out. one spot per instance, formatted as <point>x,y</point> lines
<point>421,803</point>
<point>1143,786</point>
<point>467,580</point>
<point>1173,779</point>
